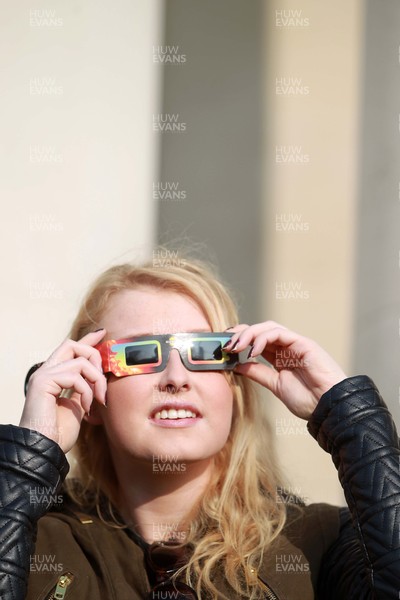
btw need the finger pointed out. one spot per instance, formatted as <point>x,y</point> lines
<point>258,345</point>
<point>92,338</point>
<point>272,352</point>
<point>91,374</point>
<point>274,332</point>
<point>51,390</point>
<point>100,396</point>
<point>236,328</point>
<point>260,373</point>
<point>80,402</point>
<point>84,390</point>
<point>72,349</point>
<point>64,375</point>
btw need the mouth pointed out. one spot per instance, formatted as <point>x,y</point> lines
<point>175,413</point>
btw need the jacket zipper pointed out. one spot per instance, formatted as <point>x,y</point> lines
<point>58,593</point>
<point>270,594</point>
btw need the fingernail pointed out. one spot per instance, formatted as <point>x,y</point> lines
<point>99,329</point>
<point>250,354</point>
<point>227,344</point>
<point>231,327</point>
<point>235,344</point>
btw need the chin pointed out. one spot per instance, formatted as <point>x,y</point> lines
<point>174,453</point>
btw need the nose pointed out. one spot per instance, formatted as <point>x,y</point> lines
<point>175,375</point>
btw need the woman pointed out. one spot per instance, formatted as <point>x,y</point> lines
<point>175,487</point>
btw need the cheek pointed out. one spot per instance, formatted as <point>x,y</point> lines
<point>128,404</point>
<point>128,390</point>
<point>129,401</point>
<point>221,401</point>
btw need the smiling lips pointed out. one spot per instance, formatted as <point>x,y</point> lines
<point>175,412</point>
<point>172,413</point>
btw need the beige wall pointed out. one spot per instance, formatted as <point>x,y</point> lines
<point>78,91</point>
<point>313,57</point>
<point>377,349</point>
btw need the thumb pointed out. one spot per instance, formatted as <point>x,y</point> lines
<point>260,373</point>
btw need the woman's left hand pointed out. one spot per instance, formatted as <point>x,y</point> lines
<point>302,371</point>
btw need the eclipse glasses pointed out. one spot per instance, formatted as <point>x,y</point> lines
<point>149,354</point>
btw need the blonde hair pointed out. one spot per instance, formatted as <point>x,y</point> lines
<point>238,516</point>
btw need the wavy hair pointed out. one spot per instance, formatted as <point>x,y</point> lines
<point>238,516</point>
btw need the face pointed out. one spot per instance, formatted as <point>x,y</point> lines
<point>136,404</point>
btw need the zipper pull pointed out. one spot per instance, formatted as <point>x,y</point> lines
<point>62,585</point>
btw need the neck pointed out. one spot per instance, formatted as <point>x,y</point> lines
<point>158,499</point>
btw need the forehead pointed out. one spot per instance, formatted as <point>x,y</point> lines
<point>151,311</point>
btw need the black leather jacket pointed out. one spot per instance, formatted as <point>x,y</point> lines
<point>351,422</point>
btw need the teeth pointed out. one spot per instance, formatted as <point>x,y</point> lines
<point>172,413</point>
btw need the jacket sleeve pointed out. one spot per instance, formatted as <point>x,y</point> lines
<point>32,469</point>
<point>352,422</point>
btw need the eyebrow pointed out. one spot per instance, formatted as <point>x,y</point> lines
<point>151,333</point>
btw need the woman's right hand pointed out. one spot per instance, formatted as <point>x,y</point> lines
<point>73,365</point>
